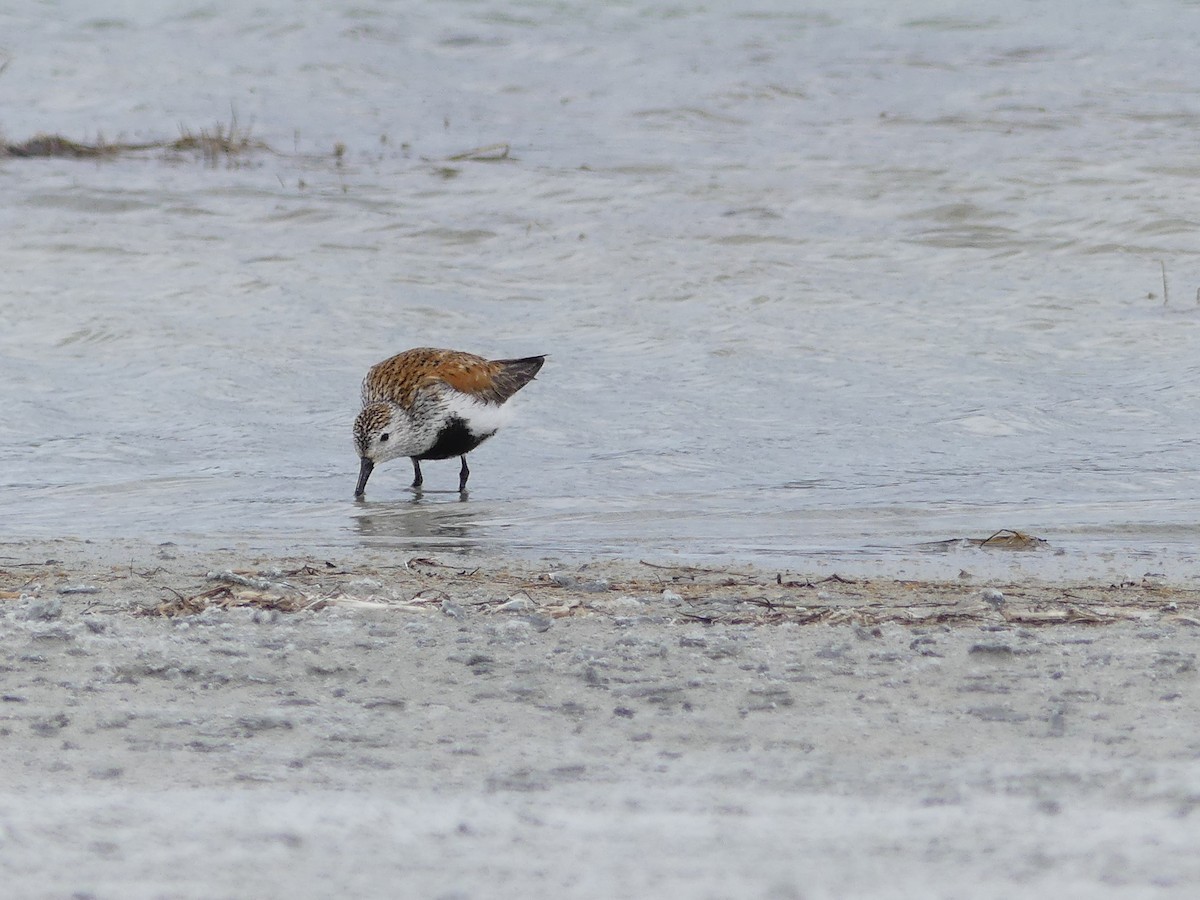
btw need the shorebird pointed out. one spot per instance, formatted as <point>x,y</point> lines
<point>434,404</point>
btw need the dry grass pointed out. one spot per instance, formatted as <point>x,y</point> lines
<point>225,597</point>
<point>222,141</point>
<point>672,593</point>
<point>56,146</point>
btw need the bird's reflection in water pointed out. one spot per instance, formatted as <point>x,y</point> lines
<point>426,519</point>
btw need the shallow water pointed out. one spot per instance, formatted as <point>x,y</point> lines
<point>817,286</point>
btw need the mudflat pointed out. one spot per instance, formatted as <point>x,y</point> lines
<point>184,723</point>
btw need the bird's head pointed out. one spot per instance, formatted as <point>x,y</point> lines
<point>377,438</point>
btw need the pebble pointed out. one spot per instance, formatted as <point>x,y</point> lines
<point>515,604</point>
<point>624,603</point>
<point>49,726</point>
<point>211,615</point>
<point>514,630</point>
<point>42,609</point>
<point>249,724</point>
<point>570,581</point>
<point>231,577</point>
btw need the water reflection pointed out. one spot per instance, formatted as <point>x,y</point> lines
<point>427,519</point>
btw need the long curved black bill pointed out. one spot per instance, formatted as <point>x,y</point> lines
<point>364,473</point>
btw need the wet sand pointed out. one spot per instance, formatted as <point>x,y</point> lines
<point>177,723</point>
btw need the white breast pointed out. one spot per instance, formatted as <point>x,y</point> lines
<point>482,418</point>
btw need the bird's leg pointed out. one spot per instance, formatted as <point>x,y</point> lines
<point>463,474</point>
<point>417,479</point>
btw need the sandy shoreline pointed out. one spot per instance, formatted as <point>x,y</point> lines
<point>179,723</point>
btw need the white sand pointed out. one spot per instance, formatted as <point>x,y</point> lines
<point>909,741</point>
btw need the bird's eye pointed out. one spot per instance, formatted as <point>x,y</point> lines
<point>383,437</point>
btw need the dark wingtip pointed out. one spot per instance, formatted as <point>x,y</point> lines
<point>516,374</point>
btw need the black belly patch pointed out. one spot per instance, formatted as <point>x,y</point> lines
<point>455,439</point>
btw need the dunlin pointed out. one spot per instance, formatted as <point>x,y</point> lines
<point>434,404</point>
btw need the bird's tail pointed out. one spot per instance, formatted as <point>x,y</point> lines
<point>514,374</point>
